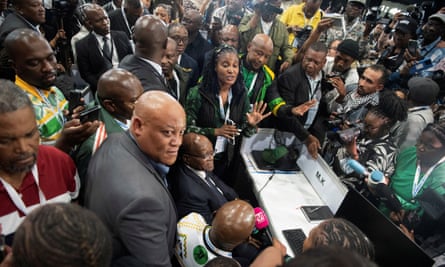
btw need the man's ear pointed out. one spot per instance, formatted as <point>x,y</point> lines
<point>12,64</point>
<point>109,105</point>
<point>136,126</point>
<point>380,87</point>
<point>186,159</point>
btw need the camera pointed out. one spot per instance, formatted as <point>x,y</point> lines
<point>302,36</point>
<point>326,84</point>
<point>373,15</point>
<point>267,7</point>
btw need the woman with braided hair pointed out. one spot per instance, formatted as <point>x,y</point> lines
<point>341,233</point>
<point>374,148</point>
<point>57,235</point>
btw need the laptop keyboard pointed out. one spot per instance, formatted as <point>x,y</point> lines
<point>295,238</point>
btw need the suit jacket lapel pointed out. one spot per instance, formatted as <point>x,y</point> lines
<point>133,149</point>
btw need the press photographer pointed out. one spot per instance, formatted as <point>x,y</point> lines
<point>301,20</point>
<point>264,20</point>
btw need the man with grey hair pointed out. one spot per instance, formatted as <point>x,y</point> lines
<point>30,174</point>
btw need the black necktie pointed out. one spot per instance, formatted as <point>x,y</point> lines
<point>217,192</point>
<point>106,49</point>
<point>173,88</point>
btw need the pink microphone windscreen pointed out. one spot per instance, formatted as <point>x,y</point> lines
<point>261,220</point>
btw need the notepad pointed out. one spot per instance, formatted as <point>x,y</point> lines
<point>317,212</point>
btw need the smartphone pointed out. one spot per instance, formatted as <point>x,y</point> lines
<point>421,66</point>
<point>90,114</point>
<point>75,100</point>
<point>412,47</point>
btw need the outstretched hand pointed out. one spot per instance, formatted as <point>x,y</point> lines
<point>257,114</point>
<point>303,108</point>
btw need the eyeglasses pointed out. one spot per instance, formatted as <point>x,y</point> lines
<point>204,157</point>
<point>179,39</point>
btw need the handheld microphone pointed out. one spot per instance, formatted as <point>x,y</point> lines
<point>260,231</point>
<point>261,220</point>
<point>375,182</point>
<point>375,176</point>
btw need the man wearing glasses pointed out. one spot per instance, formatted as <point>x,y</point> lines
<point>194,186</point>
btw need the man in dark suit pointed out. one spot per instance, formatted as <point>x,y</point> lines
<point>176,77</point>
<point>150,39</point>
<point>179,33</point>
<point>197,46</point>
<point>101,49</point>
<point>193,185</point>
<point>124,18</point>
<point>29,15</point>
<point>112,5</point>
<point>126,185</point>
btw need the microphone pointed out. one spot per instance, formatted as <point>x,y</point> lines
<point>375,182</point>
<point>260,231</point>
<point>261,220</point>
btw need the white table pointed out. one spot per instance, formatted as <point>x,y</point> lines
<point>279,193</point>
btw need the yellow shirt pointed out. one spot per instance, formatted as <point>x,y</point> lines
<point>294,16</point>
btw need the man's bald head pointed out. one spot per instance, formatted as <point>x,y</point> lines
<point>118,90</point>
<point>32,57</point>
<point>197,152</point>
<point>259,51</point>
<point>192,20</point>
<point>229,35</point>
<point>262,39</point>
<point>233,224</point>
<point>150,38</point>
<point>158,124</point>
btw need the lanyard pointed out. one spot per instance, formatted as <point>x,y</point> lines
<point>313,93</point>
<point>221,106</point>
<point>16,199</point>
<point>418,185</point>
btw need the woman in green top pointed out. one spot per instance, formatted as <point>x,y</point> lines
<point>419,182</point>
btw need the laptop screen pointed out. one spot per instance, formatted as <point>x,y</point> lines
<point>392,247</point>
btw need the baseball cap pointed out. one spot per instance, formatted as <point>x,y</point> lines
<point>439,16</point>
<point>423,90</point>
<point>350,48</point>
<point>407,25</point>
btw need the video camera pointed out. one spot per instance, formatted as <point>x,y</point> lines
<point>343,136</point>
<point>302,36</point>
<point>267,7</point>
<point>373,15</point>
<point>326,84</point>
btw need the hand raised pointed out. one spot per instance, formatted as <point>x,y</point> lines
<point>257,113</point>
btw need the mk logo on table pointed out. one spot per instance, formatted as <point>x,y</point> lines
<point>320,178</point>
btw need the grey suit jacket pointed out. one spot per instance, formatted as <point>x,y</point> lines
<point>149,77</point>
<point>127,193</point>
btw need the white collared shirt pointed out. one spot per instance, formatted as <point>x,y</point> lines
<point>100,41</point>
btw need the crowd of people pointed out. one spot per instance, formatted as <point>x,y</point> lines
<point>148,172</point>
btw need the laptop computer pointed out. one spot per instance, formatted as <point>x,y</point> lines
<point>392,247</point>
